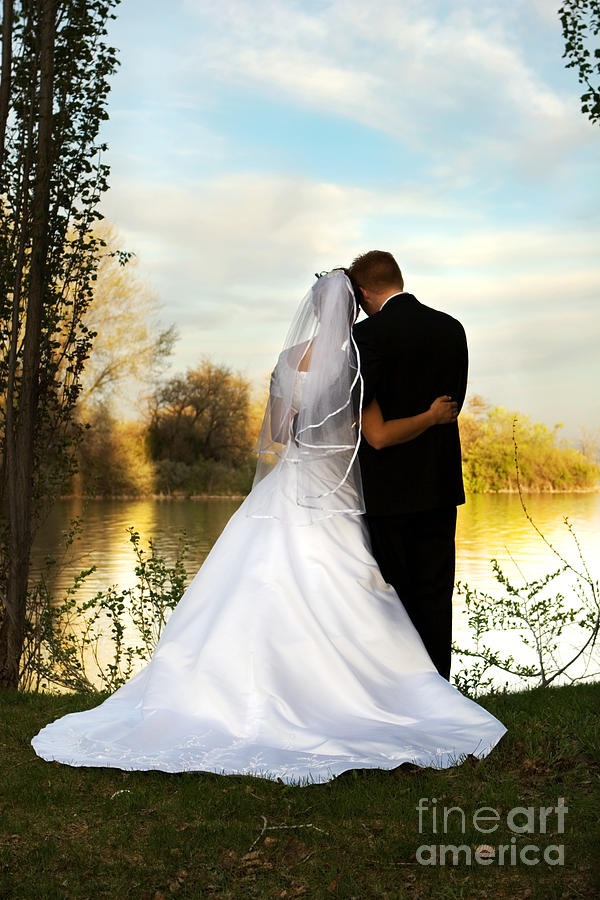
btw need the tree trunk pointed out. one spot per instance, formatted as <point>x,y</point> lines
<point>20,443</point>
<point>20,240</point>
<point>5,85</point>
<point>7,22</point>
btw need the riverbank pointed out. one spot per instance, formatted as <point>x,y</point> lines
<point>101,833</point>
<point>176,495</point>
<point>181,495</point>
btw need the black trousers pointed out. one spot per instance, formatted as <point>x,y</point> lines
<point>415,552</point>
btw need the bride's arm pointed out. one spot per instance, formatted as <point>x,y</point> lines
<point>279,423</point>
<point>380,433</point>
<point>282,419</point>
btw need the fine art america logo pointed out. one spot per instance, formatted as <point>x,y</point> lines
<point>485,820</point>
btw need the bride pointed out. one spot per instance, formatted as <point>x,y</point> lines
<point>288,655</point>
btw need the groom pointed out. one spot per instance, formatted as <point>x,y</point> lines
<point>410,354</point>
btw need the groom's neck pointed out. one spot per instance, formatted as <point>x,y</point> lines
<point>375,300</point>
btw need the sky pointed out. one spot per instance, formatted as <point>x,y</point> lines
<point>253,143</point>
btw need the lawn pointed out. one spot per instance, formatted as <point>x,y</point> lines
<point>78,833</point>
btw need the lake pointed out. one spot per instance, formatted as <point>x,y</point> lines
<point>489,526</point>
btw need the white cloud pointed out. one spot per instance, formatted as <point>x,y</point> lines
<point>552,252</point>
<point>547,10</point>
<point>455,86</point>
<point>232,257</point>
<point>240,230</point>
<point>232,253</point>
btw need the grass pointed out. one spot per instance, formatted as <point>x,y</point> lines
<point>69,832</point>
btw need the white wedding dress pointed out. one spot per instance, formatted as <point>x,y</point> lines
<point>287,657</point>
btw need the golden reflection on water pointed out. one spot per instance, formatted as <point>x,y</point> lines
<point>494,526</point>
<point>105,541</point>
<point>489,526</point>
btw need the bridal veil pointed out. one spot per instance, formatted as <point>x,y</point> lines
<point>312,418</point>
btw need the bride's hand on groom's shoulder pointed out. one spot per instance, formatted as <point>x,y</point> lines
<point>444,410</point>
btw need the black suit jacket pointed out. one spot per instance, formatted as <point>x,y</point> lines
<point>410,354</point>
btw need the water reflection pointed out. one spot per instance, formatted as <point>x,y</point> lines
<point>493,526</point>
<point>489,526</point>
<point>105,541</point>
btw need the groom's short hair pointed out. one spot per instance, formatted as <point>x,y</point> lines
<point>377,270</point>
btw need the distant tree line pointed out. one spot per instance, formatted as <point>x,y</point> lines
<point>201,427</point>
<point>195,438</point>
<point>546,462</point>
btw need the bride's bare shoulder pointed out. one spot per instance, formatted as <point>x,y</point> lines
<point>296,357</point>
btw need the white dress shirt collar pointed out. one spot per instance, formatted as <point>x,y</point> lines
<point>396,294</point>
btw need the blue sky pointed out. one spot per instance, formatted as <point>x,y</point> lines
<point>255,143</point>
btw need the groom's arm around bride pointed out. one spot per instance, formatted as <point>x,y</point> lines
<point>410,354</point>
